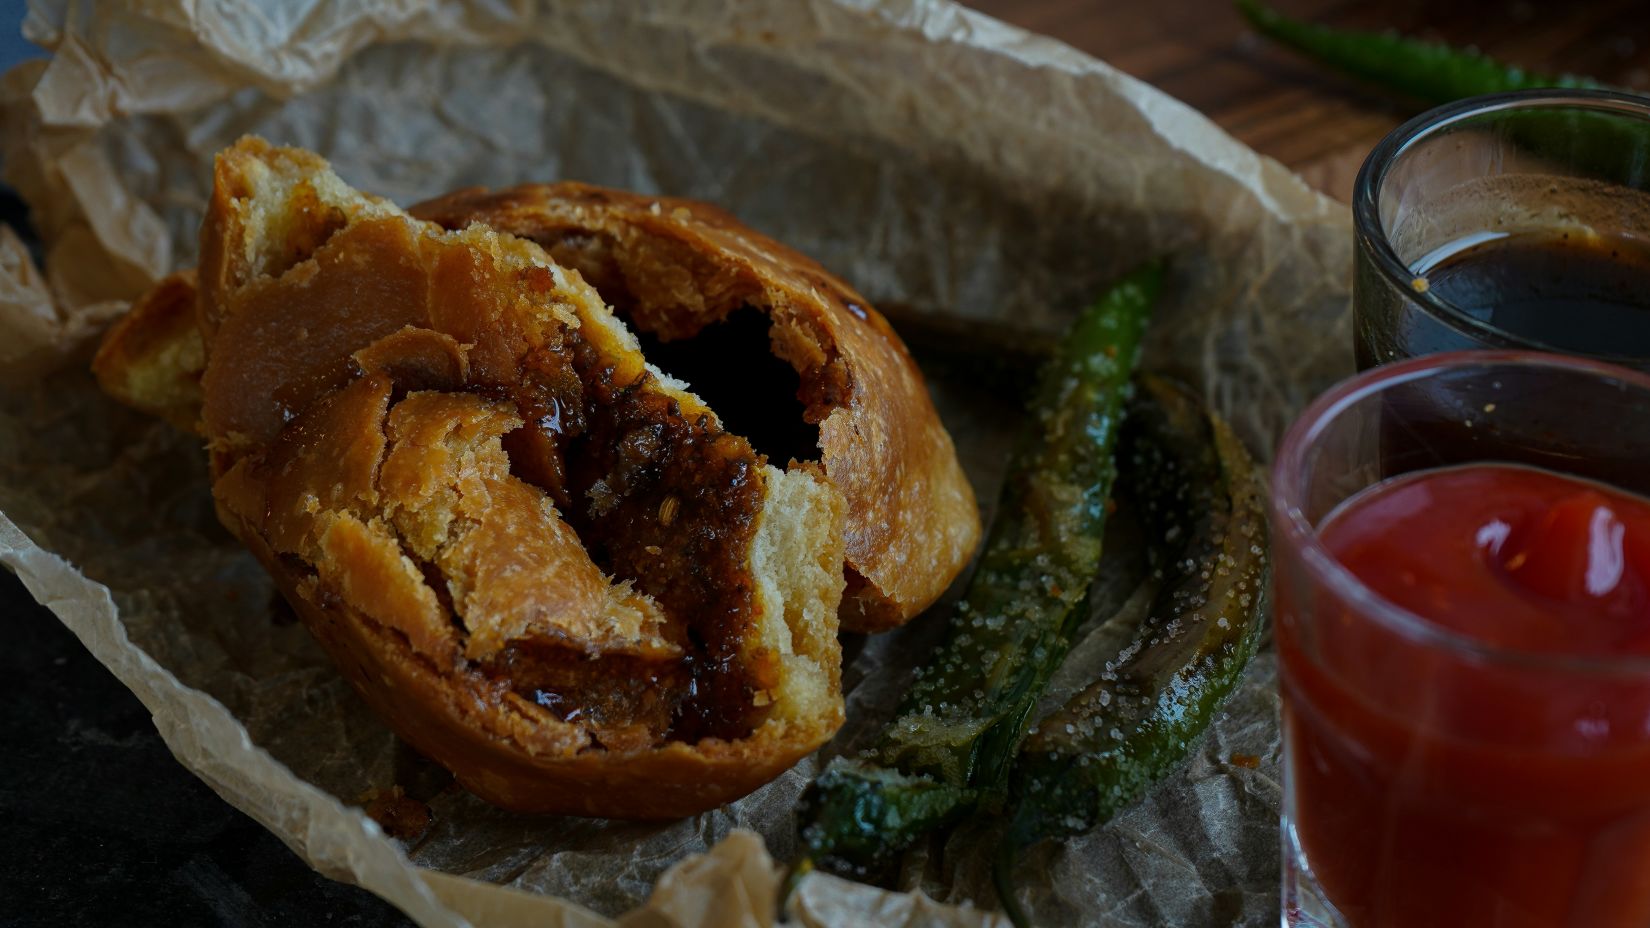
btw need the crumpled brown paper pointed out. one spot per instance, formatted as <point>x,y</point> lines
<point>940,161</point>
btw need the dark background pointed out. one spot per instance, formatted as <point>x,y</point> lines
<point>101,827</point>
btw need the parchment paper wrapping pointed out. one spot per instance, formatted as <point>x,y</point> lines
<point>937,159</point>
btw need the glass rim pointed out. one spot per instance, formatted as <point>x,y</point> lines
<point>1366,192</point>
<point>1291,525</point>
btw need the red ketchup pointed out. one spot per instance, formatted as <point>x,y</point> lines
<point>1500,777</point>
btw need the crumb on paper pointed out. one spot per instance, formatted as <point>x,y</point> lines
<point>398,814</point>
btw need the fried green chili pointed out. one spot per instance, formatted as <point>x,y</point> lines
<point>959,726</point>
<point>1200,505</point>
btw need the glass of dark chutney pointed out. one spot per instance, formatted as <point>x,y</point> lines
<point>1517,220</point>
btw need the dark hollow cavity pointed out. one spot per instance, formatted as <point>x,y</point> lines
<point>730,365</point>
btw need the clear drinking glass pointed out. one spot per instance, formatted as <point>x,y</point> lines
<point>1561,162</point>
<point>1499,788</point>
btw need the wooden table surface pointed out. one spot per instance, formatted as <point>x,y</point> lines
<point>1321,125</point>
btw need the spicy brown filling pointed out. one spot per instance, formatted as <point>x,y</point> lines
<point>668,501</point>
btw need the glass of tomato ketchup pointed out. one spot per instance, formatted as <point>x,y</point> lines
<point>1462,618</point>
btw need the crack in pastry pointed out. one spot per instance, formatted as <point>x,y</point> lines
<point>546,564</point>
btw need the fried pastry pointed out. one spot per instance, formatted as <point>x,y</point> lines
<point>544,562</point>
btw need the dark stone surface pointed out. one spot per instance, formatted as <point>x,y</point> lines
<point>100,826</point>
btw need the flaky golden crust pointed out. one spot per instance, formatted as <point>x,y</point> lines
<point>151,358</point>
<point>671,267</point>
<point>545,566</point>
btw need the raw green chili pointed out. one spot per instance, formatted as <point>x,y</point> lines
<point>1427,71</point>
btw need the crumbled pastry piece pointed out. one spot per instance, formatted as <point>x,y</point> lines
<point>152,357</point>
<point>401,816</point>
